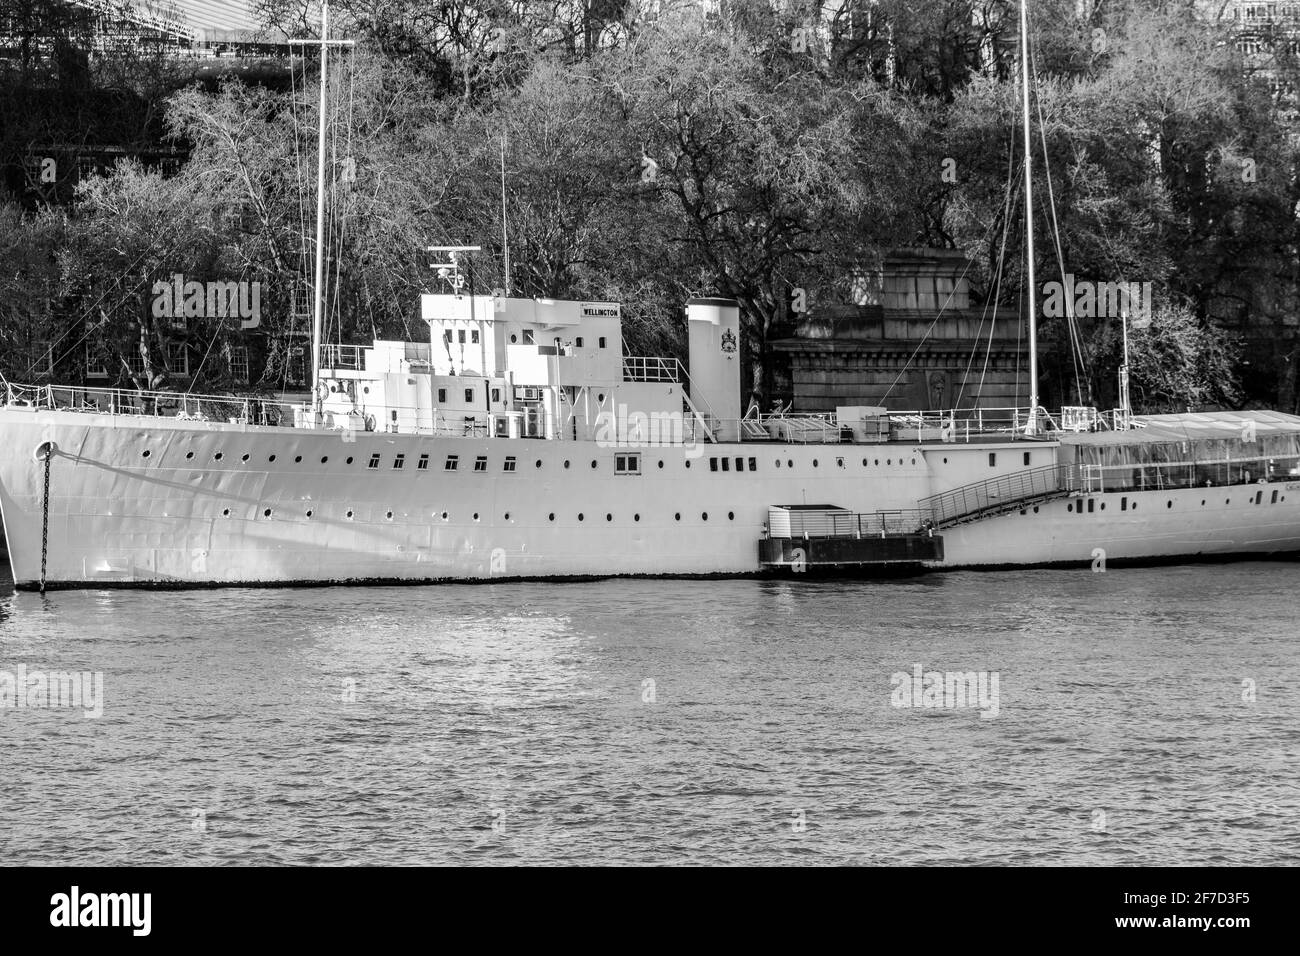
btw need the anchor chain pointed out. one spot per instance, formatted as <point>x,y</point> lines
<point>45,517</point>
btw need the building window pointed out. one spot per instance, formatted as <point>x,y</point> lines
<point>239,364</point>
<point>452,462</point>
<point>399,461</point>
<point>442,396</point>
<point>627,464</point>
<point>480,463</point>
<point>423,463</point>
<point>178,358</point>
<point>510,463</point>
<point>374,461</point>
<point>469,396</point>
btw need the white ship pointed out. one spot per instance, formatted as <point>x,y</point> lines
<point>520,441</point>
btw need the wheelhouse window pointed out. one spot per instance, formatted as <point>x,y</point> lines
<point>469,396</point>
<point>374,461</point>
<point>480,463</point>
<point>451,463</point>
<point>423,463</point>
<point>510,463</point>
<point>399,461</point>
<point>627,464</point>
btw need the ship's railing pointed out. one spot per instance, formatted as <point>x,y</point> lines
<point>352,357</point>
<point>652,368</point>
<point>817,523</point>
<point>237,409</point>
<point>998,494</point>
<point>1158,476</point>
<point>965,424</point>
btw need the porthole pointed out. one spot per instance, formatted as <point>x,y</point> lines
<point>349,515</point>
<point>218,456</point>
<point>731,516</point>
<point>789,462</point>
<point>593,463</point>
<point>271,458</point>
<point>778,463</point>
<point>877,462</point>
<point>266,513</point>
<point>349,461</point>
<point>1169,504</point>
<point>864,463</point>
<point>580,516</point>
<point>704,516</point>
<point>889,461</point>
<point>1227,501</point>
<point>538,463</point>
<point>814,462</point>
<point>388,515</point>
<point>225,512</point>
<point>661,462</point>
<point>566,463</point>
<point>145,453</point>
<point>551,516</point>
<point>189,455</point>
<point>366,389</point>
<point>324,458</point>
<point>688,463</point>
<point>514,339</point>
<point>297,458</point>
<point>243,457</point>
<point>914,461</point>
<point>636,517</point>
<point>1069,507</point>
<point>507,515</point>
<point>444,516</point>
<point>600,397</point>
<point>677,516</point>
<point>1035,509</point>
<point>476,516</point>
<point>1202,502</point>
<point>308,512</point>
<point>945,461</point>
<point>609,517</point>
<point>1103,506</point>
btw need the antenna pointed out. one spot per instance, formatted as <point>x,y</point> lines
<point>449,271</point>
<point>505,237</point>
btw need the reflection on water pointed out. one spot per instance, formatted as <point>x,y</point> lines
<point>665,721</point>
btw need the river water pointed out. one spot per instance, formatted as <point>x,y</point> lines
<point>1141,716</point>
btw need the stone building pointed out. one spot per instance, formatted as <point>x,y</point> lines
<point>921,344</point>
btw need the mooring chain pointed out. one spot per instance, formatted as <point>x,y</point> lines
<point>45,516</point>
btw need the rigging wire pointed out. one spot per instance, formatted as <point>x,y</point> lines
<point>1079,358</point>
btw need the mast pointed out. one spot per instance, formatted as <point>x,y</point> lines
<point>1032,427</point>
<point>318,306</point>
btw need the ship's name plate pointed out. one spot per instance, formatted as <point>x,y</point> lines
<point>606,310</point>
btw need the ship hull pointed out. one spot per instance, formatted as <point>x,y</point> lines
<point>227,504</point>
